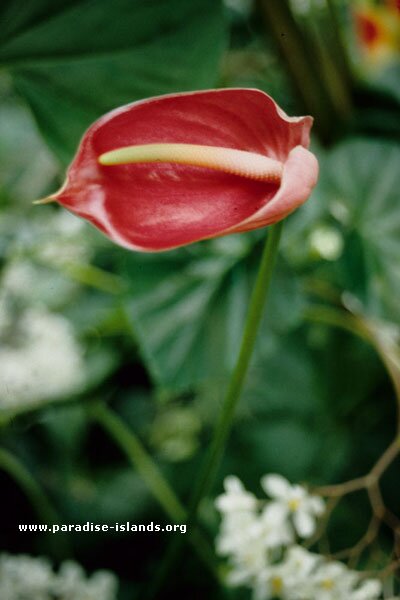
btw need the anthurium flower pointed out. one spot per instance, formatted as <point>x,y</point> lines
<point>172,170</point>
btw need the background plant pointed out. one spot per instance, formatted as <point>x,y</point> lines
<point>154,337</point>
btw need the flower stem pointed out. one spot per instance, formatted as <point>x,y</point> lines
<point>236,383</point>
<point>358,325</point>
<point>139,458</point>
<point>41,504</point>
<point>152,476</point>
<point>45,511</point>
<point>232,396</point>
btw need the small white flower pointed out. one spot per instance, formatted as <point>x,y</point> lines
<point>23,577</point>
<point>296,502</point>
<point>288,579</point>
<point>258,539</point>
<point>326,242</point>
<point>56,239</point>
<point>272,583</point>
<point>370,589</point>
<point>72,584</point>
<point>242,536</point>
<point>332,581</point>
<point>237,530</point>
<point>248,561</point>
<point>19,278</point>
<point>300,562</point>
<point>276,530</point>
<point>41,361</point>
<point>26,578</point>
<point>236,498</point>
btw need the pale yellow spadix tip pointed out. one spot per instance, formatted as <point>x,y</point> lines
<point>46,200</point>
<point>237,162</point>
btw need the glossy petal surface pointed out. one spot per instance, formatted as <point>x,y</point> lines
<point>158,206</point>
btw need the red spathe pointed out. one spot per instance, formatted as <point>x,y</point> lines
<point>158,206</point>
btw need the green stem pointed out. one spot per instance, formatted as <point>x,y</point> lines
<point>336,318</point>
<point>95,277</point>
<point>141,461</point>
<point>151,475</point>
<point>47,514</point>
<point>232,396</point>
<point>360,326</point>
<point>41,504</point>
<point>236,383</point>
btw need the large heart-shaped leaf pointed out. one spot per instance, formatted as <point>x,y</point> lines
<point>76,59</point>
<point>361,178</point>
<point>357,199</point>
<point>188,307</point>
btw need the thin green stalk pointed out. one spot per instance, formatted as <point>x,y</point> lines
<point>358,325</point>
<point>337,318</point>
<point>152,476</point>
<point>230,402</point>
<point>236,383</point>
<point>95,277</point>
<point>140,460</point>
<point>41,504</point>
<point>45,511</point>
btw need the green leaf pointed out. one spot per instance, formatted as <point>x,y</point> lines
<point>288,423</point>
<point>281,446</point>
<point>27,168</point>
<point>282,381</point>
<point>187,307</point>
<point>103,496</point>
<point>362,178</point>
<point>75,61</point>
<point>378,103</point>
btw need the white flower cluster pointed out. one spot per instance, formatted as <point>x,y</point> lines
<point>40,357</point>
<point>261,540</point>
<point>40,360</point>
<point>58,238</point>
<point>67,242</point>
<point>23,577</point>
<point>41,256</point>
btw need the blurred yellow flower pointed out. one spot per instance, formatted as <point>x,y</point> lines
<point>377,27</point>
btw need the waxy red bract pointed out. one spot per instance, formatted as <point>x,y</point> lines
<point>159,206</point>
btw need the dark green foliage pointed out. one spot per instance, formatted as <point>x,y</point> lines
<point>160,333</point>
